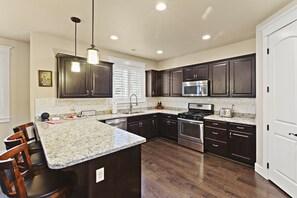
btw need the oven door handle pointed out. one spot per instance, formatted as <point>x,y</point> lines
<point>191,121</point>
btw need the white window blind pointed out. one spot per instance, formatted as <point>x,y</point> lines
<point>128,79</point>
<point>4,84</point>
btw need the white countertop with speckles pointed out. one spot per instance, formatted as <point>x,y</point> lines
<point>77,141</point>
<point>239,120</point>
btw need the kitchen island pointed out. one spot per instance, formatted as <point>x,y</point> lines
<point>106,160</point>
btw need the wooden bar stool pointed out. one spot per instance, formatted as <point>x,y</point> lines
<point>33,142</point>
<point>37,158</point>
<point>24,184</point>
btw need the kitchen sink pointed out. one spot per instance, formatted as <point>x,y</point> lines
<point>133,112</point>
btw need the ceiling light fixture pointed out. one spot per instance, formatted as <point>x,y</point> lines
<point>114,37</point>
<point>161,6</point>
<point>75,65</point>
<point>159,52</point>
<point>206,37</point>
<point>93,53</point>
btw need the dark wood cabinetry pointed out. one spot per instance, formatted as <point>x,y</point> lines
<point>92,81</point>
<point>192,73</point>
<point>243,77</point>
<point>145,126</point>
<point>153,83</point>
<point>168,127</point>
<point>219,78</point>
<point>231,140</point>
<point>176,79</point>
<point>165,83</point>
<point>242,143</point>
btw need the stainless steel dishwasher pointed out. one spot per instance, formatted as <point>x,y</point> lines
<point>120,123</point>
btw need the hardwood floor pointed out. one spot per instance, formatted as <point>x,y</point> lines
<point>172,171</point>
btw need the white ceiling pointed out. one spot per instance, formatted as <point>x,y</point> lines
<point>177,31</point>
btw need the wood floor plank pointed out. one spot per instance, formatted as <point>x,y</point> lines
<point>173,171</point>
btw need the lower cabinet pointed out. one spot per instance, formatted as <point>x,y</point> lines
<point>154,125</point>
<point>231,140</point>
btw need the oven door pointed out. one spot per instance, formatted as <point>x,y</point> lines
<point>190,130</point>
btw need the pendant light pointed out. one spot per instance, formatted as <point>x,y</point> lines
<point>75,65</point>
<point>93,53</point>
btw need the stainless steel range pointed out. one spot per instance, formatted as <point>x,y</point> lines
<point>190,125</point>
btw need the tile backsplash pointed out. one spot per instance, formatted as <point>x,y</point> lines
<point>56,106</point>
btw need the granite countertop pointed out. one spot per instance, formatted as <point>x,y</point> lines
<point>76,141</point>
<point>239,120</point>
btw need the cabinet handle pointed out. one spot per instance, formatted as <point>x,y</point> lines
<point>153,93</point>
<point>168,122</point>
<point>153,121</point>
<point>140,124</point>
<point>214,123</point>
<point>230,134</point>
<point>215,145</point>
<point>92,92</point>
<point>239,135</point>
<point>238,127</point>
<point>168,116</point>
<point>88,92</point>
<point>215,133</point>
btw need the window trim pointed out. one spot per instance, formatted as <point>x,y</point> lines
<point>130,63</point>
<point>5,84</point>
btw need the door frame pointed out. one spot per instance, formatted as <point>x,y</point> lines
<point>279,20</point>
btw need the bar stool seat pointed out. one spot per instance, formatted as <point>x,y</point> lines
<point>38,159</point>
<point>34,146</point>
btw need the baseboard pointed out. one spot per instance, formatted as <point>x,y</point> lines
<point>261,171</point>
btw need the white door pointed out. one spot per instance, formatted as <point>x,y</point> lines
<point>282,65</point>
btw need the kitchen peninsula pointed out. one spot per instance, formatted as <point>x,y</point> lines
<point>106,160</point>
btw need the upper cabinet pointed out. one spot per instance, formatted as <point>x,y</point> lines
<point>92,81</point>
<point>243,77</point>
<point>153,83</point>
<point>219,78</point>
<point>176,79</point>
<point>193,73</point>
<point>165,83</point>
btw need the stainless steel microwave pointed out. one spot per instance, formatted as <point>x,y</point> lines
<point>195,88</point>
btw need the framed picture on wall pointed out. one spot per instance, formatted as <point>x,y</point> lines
<point>45,78</point>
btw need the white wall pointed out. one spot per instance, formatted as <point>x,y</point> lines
<point>43,49</point>
<point>19,86</point>
<point>228,51</point>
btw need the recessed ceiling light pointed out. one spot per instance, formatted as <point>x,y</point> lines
<point>161,6</point>
<point>114,37</point>
<point>159,52</point>
<point>206,37</point>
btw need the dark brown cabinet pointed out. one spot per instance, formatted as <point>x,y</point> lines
<point>145,126</point>
<point>153,83</point>
<point>165,83</point>
<point>168,127</point>
<point>231,140</point>
<point>92,81</point>
<point>193,73</point>
<point>176,79</point>
<point>219,78</point>
<point>243,77</point>
<point>241,143</point>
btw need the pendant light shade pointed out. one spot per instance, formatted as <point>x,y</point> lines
<point>93,53</point>
<point>75,65</point>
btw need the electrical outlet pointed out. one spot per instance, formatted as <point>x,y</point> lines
<point>99,175</point>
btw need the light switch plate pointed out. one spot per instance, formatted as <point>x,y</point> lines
<point>88,113</point>
<point>99,175</point>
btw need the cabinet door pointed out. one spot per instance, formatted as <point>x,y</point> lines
<point>172,132</point>
<point>154,130</point>
<point>153,84</point>
<point>241,147</point>
<point>145,128</point>
<point>72,84</point>
<point>162,127</point>
<point>165,89</point>
<point>202,72</point>
<point>176,80</point>
<point>133,127</point>
<point>219,79</point>
<point>243,77</point>
<point>101,81</point>
<point>189,73</point>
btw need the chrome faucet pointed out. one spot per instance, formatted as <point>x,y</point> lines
<point>136,103</point>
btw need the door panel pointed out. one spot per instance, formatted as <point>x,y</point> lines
<point>176,81</point>
<point>101,81</point>
<point>282,62</point>
<point>219,78</point>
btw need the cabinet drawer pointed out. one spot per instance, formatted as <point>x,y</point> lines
<point>217,134</point>
<point>216,124</point>
<point>215,147</point>
<point>141,117</point>
<point>242,127</point>
<point>168,116</point>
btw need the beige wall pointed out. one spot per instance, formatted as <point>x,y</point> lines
<point>42,57</point>
<point>19,86</point>
<point>233,50</point>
